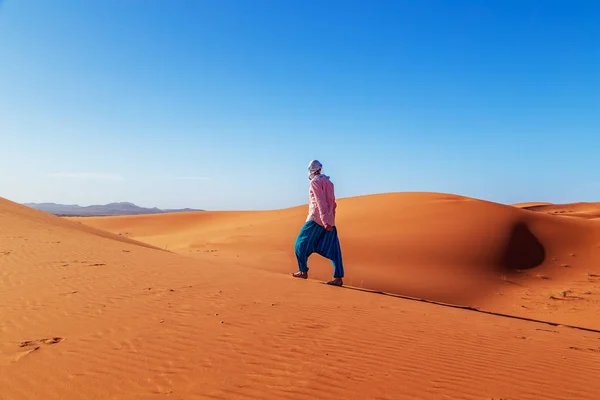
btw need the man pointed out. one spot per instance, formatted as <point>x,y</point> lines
<point>319,233</point>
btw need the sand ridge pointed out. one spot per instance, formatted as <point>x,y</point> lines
<point>98,317</point>
<point>531,204</point>
<point>578,210</point>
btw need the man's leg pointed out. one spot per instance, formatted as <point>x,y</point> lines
<point>304,247</point>
<point>336,259</point>
<point>330,248</point>
<point>302,259</point>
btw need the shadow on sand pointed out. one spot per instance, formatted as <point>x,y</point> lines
<point>523,250</point>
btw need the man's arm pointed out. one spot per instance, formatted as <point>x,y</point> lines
<point>321,200</point>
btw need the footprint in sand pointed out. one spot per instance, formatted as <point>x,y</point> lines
<point>53,340</point>
<point>582,349</point>
<point>592,277</point>
<point>31,346</point>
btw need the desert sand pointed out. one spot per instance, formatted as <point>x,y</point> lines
<point>433,246</point>
<point>201,305</point>
<point>580,210</point>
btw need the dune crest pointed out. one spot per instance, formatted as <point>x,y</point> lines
<point>16,216</point>
<point>531,204</point>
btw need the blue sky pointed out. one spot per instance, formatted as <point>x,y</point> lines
<point>222,104</point>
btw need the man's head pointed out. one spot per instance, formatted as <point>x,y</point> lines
<point>314,168</point>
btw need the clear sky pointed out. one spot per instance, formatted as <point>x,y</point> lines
<point>221,104</point>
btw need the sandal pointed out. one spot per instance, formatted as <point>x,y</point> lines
<point>300,274</point>
<point>336,282</point>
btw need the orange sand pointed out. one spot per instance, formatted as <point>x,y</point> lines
<point>89,314</point>
<point>581,210</point>
<point>532,204</point>
<point>427,245</point>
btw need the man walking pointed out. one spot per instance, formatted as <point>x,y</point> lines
<point>319,233</point>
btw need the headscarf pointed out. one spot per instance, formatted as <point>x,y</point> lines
<point>313,167</point>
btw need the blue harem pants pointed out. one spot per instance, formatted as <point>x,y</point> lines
<point>313,238</point>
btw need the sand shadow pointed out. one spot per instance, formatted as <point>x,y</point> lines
<point>523,250</point>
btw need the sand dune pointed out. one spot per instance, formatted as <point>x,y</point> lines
<point>428,245</point>
<point>531,204</point>
<point>94,315</point>
<point>580,210</point>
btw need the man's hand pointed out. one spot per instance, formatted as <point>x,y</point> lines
<point>328,227</point>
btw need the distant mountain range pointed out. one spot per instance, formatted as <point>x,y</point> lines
<point>99,210</point>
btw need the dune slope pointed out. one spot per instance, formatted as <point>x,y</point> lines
<point>428,245</point>
<point>99,317</point>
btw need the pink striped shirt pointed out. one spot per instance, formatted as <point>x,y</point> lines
<point>322,205</point>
